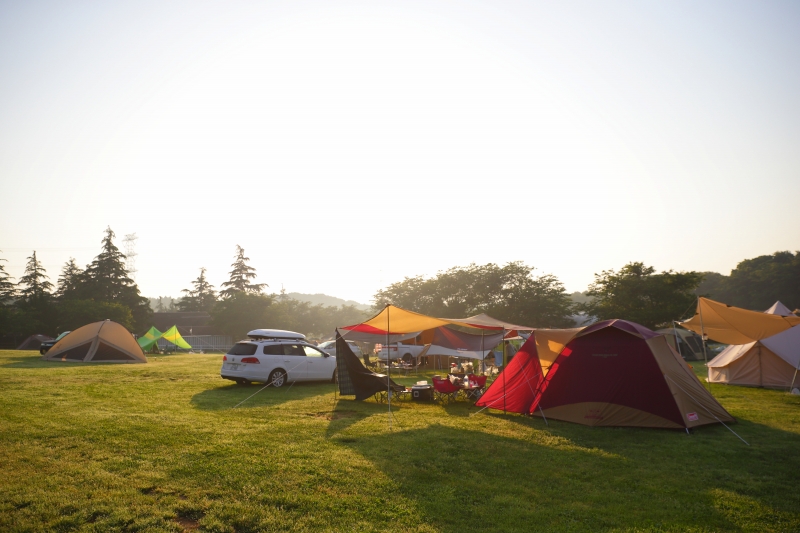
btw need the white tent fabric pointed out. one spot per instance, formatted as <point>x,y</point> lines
<point>786,345</point>
<point>779,309</point>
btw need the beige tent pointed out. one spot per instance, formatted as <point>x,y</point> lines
<point>689,345</point>
<point>770,362</point>
<point>104,341</point>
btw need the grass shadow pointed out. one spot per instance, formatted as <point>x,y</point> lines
<point>567,477</point>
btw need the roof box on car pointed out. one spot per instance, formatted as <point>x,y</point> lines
<point>258,334</point>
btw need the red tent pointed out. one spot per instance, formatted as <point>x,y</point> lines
<point>616,373</point>
<point>515,387</point>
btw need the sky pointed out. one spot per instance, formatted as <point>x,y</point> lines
<point>346,145</point>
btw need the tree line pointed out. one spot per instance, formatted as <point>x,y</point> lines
<point>513,292</point>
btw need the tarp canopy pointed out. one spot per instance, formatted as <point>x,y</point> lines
<point>454,343</point>
<point>396,321</point>
<point>779,309</point>
<point>150,338</point>
<point>484,321</point>
<point>733,325</point>
<point>175,338</point>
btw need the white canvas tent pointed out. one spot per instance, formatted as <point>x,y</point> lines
<point>779,309</point>
<point>770,362</point>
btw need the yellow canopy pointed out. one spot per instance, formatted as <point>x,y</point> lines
<point>734,325</point>
<point>396,320</point>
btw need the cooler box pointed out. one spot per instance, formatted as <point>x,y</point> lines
<point>422,393</point>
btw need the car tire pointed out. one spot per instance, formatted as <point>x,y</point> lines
<point>277,378</point>
<point>244,382</point>
<point>335,376</point>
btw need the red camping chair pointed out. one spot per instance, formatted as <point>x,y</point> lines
<point>476,393</point>
<point>444,391</point>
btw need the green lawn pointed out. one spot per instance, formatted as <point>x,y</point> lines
<point>159,447</point>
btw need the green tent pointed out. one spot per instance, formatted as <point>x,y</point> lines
<point>150,338</point>
<point>175,338</point>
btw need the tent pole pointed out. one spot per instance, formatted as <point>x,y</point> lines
<point>388,369</point>
<point>505,363</point>
<point>794,377</point>
<point>703,339</point>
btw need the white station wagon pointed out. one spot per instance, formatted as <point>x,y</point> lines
<point>276,356</point>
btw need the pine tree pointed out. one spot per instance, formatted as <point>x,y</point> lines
<point>106,280</point>
<point>8,289</point>
<point>34,284</point>
<point>201,298</point>
<point>69,280</point>
<point>241,275</point>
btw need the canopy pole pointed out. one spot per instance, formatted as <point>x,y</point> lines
<point>505,364</point>
<point>388,369</point>
<point>703,339</point>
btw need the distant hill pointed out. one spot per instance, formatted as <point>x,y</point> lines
<point>324,299</point>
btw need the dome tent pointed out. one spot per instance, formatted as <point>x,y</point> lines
<point>104,341</point>
<point>612,373</point>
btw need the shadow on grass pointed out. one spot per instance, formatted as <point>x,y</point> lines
<point>577,478</point>
<point>34,361</point>
<point>228,396</point>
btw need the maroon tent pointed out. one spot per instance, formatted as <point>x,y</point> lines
<point>612,373</point>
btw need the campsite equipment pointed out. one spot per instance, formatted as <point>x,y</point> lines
<point>34,342</point>
<point>770,362</point>
<point>612,373</point>
<point>150,339</point>
<point>689,344</point>
<point>355,379</point>
<point>733,325</point>
<point>105,341</point>
<point>422,393</point>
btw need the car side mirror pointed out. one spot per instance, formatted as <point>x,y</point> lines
<point>326,354</point>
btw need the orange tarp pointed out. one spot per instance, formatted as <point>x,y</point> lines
<point>734,325</point>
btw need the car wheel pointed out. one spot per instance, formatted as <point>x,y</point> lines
<point>243,381</point>
<point>335,376</point>
<point>277,378</point>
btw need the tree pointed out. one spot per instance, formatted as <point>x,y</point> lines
<point>8,289</point>
<point>35,284</point>
<point>241,275</point>
<point>240,313</point>
<point>511,293</point>
<point>638,294</point>
<point>70,279</point>
<point>758,282</point>
<point>73,314</point>
<point>36,310</point>
<point>106,280</point>
<point>200,298</point>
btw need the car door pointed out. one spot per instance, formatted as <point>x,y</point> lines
<point>319,364</point>
<point>294,359</point>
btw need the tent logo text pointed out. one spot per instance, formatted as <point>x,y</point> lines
<point>604,355</point>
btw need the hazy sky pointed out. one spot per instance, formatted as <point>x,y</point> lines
<point>348,144</point>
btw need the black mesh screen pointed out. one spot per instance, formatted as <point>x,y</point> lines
<point>77,353</point>
<point>345,383</point>
<point>109,353</point>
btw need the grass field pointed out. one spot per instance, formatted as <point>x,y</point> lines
<point>160,447</point>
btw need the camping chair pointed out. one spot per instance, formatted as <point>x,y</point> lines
<point>477,393</point>
<point>367,362</point>
<point>444,391</point>
<point>397,391</point>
